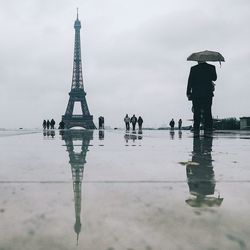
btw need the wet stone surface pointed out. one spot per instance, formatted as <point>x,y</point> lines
<point>107,190</point>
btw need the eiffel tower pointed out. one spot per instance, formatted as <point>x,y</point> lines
<point>77,93</point>
<point>77,161</point>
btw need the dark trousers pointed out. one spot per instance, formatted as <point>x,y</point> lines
<point>202,106</point>
<point>133,124</point>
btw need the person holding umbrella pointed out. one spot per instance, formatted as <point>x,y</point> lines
<point>200,88</point>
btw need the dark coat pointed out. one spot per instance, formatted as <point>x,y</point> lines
<point>200,81</point>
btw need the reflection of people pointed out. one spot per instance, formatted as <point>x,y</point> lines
<point>101,134</point>
<point>171,134</point>
<point>200,174</point>
<point>180,134</point>
<point>200,90</point>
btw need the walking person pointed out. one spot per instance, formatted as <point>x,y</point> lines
<point>200,90</point>
<point>127,121</point>
<point>52,124</point>
<point>47,124</point>
<point>133,120</point>
<point>140,121</point>
<point>179,124</point>
<point>44,124</point>
<point>171,124</point>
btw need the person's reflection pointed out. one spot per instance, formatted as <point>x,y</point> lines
<point>77,161</point>
<point>180,134</point>
<point>49,133</point>
<point>200,175</point>
<point>133,136</point>
<point>171,134</point>
<point>101,134</point>
<point>139,134</point>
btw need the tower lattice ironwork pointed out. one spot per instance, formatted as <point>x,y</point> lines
<point>77,93</point>
<point>77,160</point>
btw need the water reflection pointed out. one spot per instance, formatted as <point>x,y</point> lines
<point>49,133</point>
<point>172,133</point>
<point>133,136</point>
<point>101,134</point>
<point>200,175</point>
<point>77,158</point>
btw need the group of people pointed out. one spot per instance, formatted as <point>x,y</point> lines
<point>172,123</point>
<point>49,124</point>
<point>133,120</point>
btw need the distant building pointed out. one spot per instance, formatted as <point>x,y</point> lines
<point>245,123</point>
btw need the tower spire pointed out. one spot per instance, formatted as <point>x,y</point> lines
<point>77,13</point>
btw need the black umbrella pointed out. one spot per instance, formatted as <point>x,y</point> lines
<point>206,55</point>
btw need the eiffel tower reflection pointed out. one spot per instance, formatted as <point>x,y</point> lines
<point>77,161</point>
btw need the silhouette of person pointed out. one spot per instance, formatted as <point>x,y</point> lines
<point>200,90</point>
<point>127,121</point>
<point>47,124</point>
<point>61,125</point>
<point>171,124</point>
<point>133,120</point>
<point>179,124</point>
<point>140,121</point>
<point>101,122</point>
<point>200,174</point>
<point>44,124</point>
<point>52,123</point>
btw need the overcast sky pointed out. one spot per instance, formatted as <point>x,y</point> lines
<point>134,58</point>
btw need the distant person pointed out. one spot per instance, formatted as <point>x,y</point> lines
<point>44,124</point>
<point>52,123</point>
<point>180,124</point>
<point>133,120</point>
<point>200,90</point>
<point>140,121</point>
<point>101,122</point>
<point>127,121</point>
<point>48,124</point>
<point>172,123</point>
<point>61,124</point>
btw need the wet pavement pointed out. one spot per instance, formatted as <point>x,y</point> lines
<point>107,190</point>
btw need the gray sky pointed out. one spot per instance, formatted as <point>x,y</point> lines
<point>134,57</point>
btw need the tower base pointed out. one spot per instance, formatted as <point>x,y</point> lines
<point>84,121</point>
